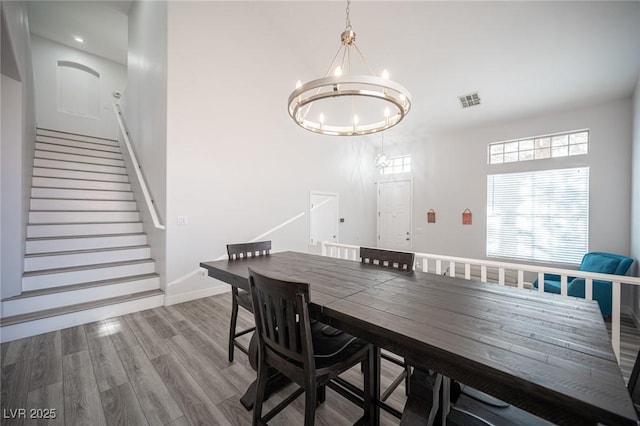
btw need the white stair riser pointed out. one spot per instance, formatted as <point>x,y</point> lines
<point>73,174</point>
<point>78,144</point>
<point>64,230</point>
<point>53,133</point>
<point>82,217</point>
<point>52,147</point>
<point>80,184</point>
<point>40,263</point>
<point>45,325</point>
<point>86,194</point>
<point>57,300</point>
<point>72,205</point>
<point>79,158</point>
<point>85,243</point>
<point>38,282</point>
<point>69,165</point>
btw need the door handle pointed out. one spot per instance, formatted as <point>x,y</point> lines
<point>408,239</point>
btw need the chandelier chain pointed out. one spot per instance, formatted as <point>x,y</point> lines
<point>348,20</point>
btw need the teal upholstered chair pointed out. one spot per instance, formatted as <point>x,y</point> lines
<point>604,263</point>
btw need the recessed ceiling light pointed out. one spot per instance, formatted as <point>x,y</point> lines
<point>78,39</point>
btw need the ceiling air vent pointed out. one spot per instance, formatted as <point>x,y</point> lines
<point>472,99</point>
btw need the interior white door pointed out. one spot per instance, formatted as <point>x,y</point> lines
<point>323,212</point>
<point>394,214</point>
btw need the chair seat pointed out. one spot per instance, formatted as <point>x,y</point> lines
<point>331,346</point>
<point>244,300</point>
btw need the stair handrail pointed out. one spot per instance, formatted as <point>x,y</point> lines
<point>138,169</point>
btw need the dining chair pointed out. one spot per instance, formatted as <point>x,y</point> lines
<point>309,353</point>
<point>633,385</point>
<point>403,261</point>
<point>242,298</point>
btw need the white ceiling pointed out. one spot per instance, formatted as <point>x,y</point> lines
<point>102,24</point>
<point>524,58</point>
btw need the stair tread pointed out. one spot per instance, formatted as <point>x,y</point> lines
<point>85,267</point>
<point>83,199</point>
<point>85,211</point>
<point>70,237</point>
<point>76,170</point>
<point>78,189</point>
<point>80,286</point>
<point>71,252</point>
<point>74,134</point>
<point>84,157</point>
<point>82,223</point>
<point>16,319</point>
<point>78,147</point>
<point>61,141</point>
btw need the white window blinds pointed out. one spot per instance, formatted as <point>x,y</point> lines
<point>539,216</point>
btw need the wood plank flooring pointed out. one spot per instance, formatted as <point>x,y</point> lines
<point>165,366</point>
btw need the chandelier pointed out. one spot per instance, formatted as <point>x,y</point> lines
<point>382,160</point>
<point>346,104</point>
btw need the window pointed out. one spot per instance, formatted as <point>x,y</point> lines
<point>540,147</point>
<point>539,216</point>
<point>396,165</point>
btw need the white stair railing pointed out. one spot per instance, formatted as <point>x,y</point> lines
<point>439,264</point>
<point>155,217</point>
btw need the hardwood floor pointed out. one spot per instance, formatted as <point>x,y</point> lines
<point>164,366</point>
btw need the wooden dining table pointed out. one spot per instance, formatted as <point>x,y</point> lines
<point>547,354</point>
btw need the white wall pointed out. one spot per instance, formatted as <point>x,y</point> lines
<point>144,108</point>
<point>635,194</point>
<point>17,143</point>
<point>450,175</point>
<point>237,165</point>
<point>46,55</point>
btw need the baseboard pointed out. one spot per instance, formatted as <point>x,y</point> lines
<point>198,294</point>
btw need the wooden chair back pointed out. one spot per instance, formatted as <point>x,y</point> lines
<point>282,323</point>
<point>388,258</point>
<point>634,384</point>
<point>258,248</point>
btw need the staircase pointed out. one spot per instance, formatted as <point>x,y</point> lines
<point>87,256</point>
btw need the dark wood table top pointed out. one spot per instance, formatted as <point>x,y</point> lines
<point>547,354</point>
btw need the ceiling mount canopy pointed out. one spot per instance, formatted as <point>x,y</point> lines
<point>346,103</point>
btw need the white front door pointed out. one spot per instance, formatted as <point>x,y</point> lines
<point>394,214</point>
<point>323,211</point>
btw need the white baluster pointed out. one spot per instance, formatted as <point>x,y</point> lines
<point>615,319</point>
<point>520,278</point>
<point>563,285</point>
<point>541,282</point>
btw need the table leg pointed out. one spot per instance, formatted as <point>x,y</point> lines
<point>275,380</point>
<point>423,405</point>
<point>445,399</point>
<point>375,377</point>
